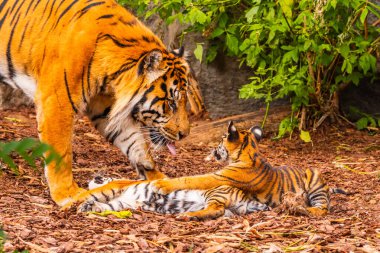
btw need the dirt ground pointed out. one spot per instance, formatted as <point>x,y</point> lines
<point>347,158</point>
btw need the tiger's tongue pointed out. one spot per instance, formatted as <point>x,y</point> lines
<point>171,147</point>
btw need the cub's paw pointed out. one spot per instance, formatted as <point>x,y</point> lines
<point>86,206</point>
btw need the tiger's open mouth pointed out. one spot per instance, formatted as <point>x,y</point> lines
<point>160,140</point>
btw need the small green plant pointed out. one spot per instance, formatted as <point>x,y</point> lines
<point>366,121</point>
<point>2,240</point>
<point>29,149</point>
<point>304,50</point>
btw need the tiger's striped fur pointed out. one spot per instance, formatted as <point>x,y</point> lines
<point>200,204</point>
<point>248,170</point>
<point>94,57</point>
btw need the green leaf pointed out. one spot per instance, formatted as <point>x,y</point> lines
<point>232,43</point>
<point>307,45</point>
<point>305,136</point>
<point>349,67</point>
<point>362,123</point>
<point>287,6</point>
<point>367,61</point>
<point>246,43</point>
<point>212,52</point>
<point>197,16</point>
<point>344,50</point>
<point>223,20</point>
<point>363,15</point>
<point>373,11</point>
<point>283,127</point>
<point>364,63</point>
<point>217,32</point>
<point>251,13</point>
<point>198,52</point>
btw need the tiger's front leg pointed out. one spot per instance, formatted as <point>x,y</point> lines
<point>130,141</point>
<point>202,182</point>
<point>55,126</point>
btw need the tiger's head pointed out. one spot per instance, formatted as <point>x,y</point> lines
<point>162,108</point>
<point>238,144</point>
<point>159,105</point>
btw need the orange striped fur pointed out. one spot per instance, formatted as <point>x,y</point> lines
<point>93,57</point>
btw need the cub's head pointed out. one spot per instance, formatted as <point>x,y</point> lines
<point>238,144</point>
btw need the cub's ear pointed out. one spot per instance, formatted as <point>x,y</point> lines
<point>150,63</point>
<point>233,133</point>
<point>180,52</point>
<point>257,132</point>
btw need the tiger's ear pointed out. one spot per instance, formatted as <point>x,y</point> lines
<point>150,64</point>
<point>233,133</point>
<point>180,52</point>
<point>257,132</point>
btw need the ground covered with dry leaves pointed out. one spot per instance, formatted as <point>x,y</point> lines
<point>347,159</point>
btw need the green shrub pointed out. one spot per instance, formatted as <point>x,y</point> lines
<point>304,50</point>
<point>29,149</point>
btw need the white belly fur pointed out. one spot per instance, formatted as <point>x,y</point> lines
<point>26,83</point>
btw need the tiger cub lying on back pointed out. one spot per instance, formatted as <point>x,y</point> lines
<point>248,171</point>
<point>201,204</point>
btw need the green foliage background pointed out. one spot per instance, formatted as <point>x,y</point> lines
<point>307,50</point>
<point>29,149</point>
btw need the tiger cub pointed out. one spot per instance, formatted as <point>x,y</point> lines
<point>200,204</point>
<point>249,171</point>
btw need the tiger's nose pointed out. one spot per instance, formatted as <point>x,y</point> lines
<point>182,135</point>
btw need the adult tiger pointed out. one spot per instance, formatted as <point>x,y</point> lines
<point>249,171</point>
<point>94,57</point>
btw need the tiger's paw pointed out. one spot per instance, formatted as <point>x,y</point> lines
<point>316,211</point>
<point>164,186</point>
<point>189,216</point>
<point>77,199</point>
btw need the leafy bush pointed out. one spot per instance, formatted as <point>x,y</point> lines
<point>306,50</point>
<point>365,120</point>
<point>29,149</point>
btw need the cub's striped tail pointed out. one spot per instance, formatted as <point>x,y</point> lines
<point>339,191</point>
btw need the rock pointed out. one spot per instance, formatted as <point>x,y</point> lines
<point>11,98</point>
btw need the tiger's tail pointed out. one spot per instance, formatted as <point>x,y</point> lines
<point>339,191</point>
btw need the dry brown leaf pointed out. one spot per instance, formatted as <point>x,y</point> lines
<point>93,136</point>
<point>214,248</point>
